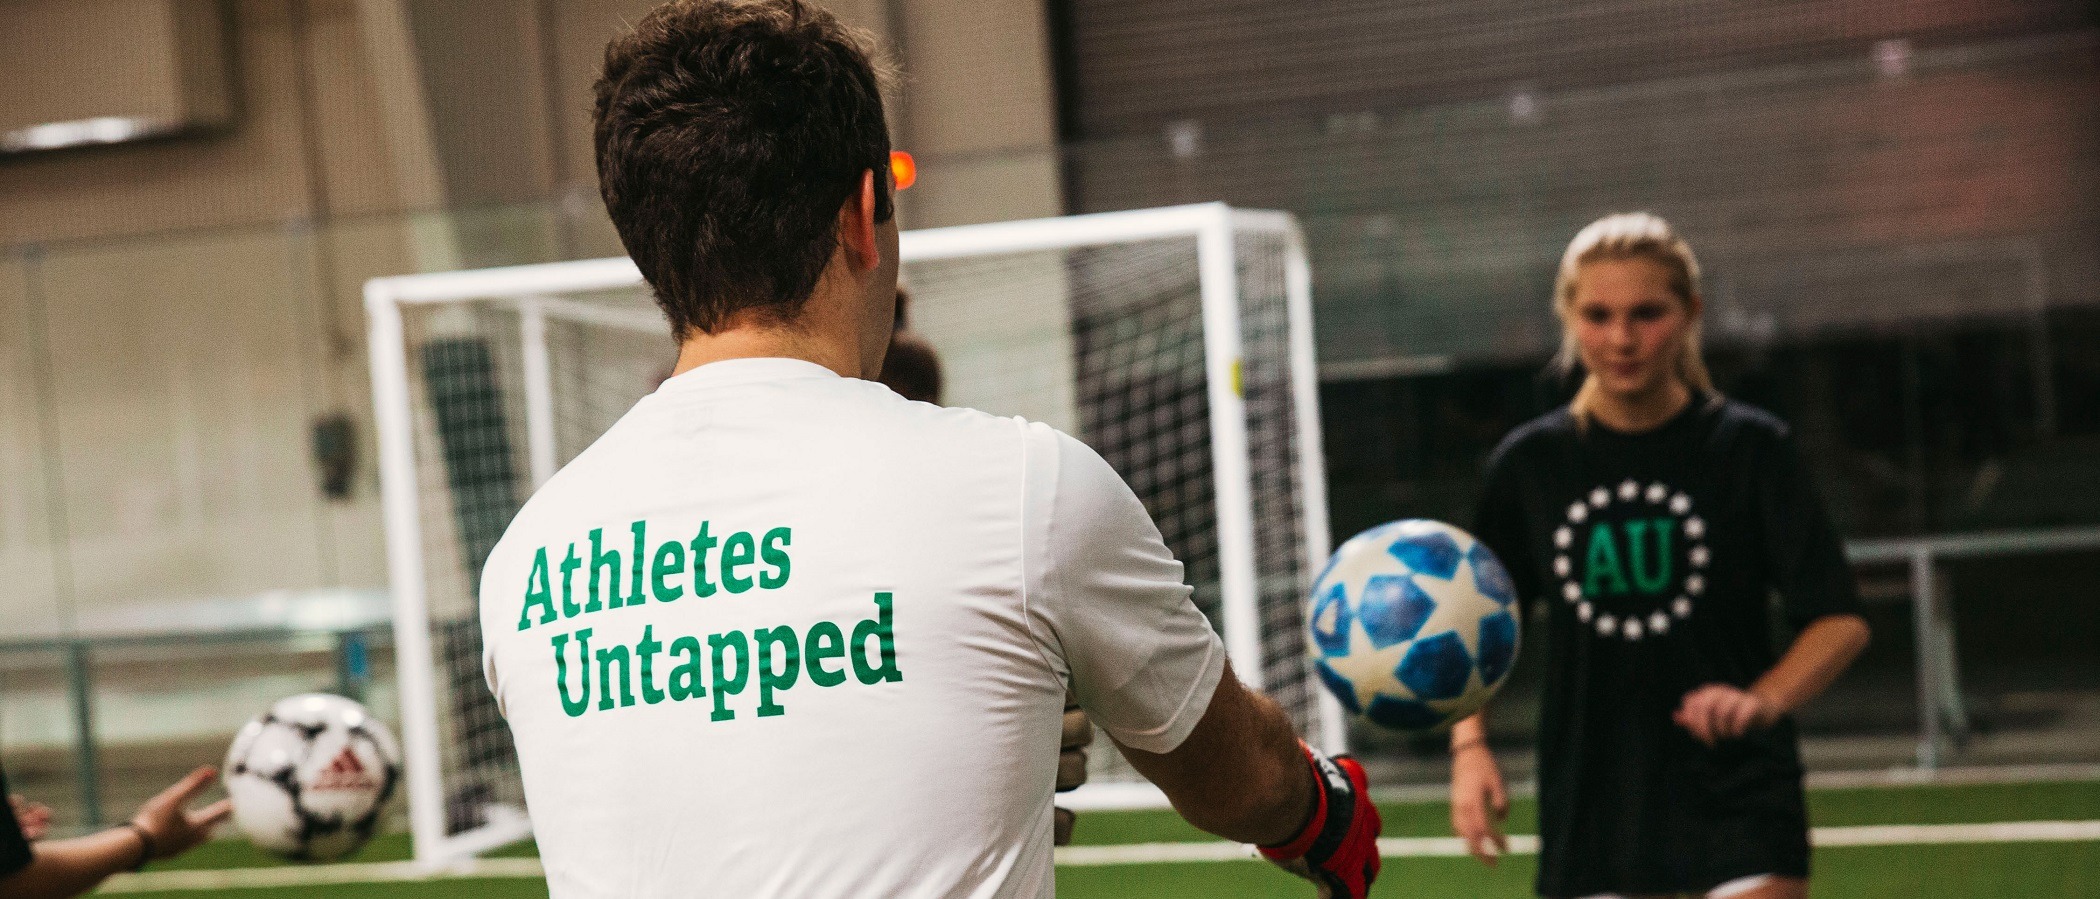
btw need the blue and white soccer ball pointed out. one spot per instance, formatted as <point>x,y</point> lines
<point>1413,625</point>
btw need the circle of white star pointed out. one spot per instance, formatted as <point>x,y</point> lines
<point>1698,555</point>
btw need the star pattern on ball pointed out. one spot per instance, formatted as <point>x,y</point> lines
<point>1411,625</point>
<point>1450,600</point>
<point>1369,670</point>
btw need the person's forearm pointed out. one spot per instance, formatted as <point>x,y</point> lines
<point>1820,653</point>
<point>1272,799</point>
<point>1241,774</point>
<point>75,866</point>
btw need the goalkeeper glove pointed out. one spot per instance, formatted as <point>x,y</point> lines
<point>1338,849</point>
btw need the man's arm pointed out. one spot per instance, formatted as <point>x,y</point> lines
<point>1240,774</point>
<point>1243,775</point>
<point>1109,605</point>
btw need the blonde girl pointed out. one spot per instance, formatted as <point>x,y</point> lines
<point>1653,516</point>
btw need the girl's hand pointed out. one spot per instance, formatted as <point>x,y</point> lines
<point>1479,803</point>
<point>1717,712</point>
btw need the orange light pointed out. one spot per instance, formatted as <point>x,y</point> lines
<point>904,171</point>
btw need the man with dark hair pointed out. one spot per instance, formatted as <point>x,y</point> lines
<point>781,633</point>
<point>729,135</point>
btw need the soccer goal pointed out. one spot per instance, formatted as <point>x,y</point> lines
<point>1177,342</point>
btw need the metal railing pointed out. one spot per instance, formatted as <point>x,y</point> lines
<point>1943,717</point>
<point>351,627</point>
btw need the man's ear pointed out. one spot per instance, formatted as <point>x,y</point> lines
<point>857,225</point>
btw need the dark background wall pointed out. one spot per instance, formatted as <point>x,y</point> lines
<point>1898,205</point>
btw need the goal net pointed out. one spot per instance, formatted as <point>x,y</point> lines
<point>1176,342</point>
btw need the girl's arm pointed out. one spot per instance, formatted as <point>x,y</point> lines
<point>1823,650</point>
<point>1807,564</point>
<point>1479,801</point>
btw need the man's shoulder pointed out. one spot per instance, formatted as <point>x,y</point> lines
<point>930,419</point>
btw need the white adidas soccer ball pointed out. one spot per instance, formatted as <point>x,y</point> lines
<point>310,777</point>
<point>1413,625</point>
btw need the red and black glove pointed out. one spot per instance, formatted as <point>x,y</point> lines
<point>1338,849</point>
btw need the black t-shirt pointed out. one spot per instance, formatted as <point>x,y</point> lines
<point>1657,554</point>
<point>14,848</point>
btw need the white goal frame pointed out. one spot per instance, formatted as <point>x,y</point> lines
<point>533,290</point>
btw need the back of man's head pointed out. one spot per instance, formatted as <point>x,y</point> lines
<point>729,134</point>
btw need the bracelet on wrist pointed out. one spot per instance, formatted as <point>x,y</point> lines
<point>1471,743</point>
<point>145,845</point>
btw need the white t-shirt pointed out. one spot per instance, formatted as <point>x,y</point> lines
<point>845,671</point>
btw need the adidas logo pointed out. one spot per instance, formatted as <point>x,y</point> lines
<point>344,772</point>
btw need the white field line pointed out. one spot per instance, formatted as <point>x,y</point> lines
<point>322,875</point>
<point>1817,780</point>
<point>1943,777</point>
<point>1524,844</point>
<point>1086,856</point>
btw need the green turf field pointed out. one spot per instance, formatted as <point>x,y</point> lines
<point>1975,870</point>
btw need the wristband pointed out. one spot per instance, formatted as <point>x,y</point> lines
<point>1314,825</point>
<point>1337,846</point>
<point>145,845</point>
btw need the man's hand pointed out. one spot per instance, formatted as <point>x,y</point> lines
<point>1717,712</point>
<point>1071,765</point>
<point>1479,802</point>
<point>1338,848</point>
<point>35,817</point>
<point>170,826</point>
